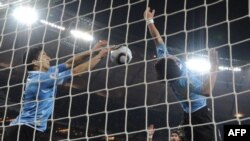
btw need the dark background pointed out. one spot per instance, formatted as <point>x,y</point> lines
<point>123,100</point>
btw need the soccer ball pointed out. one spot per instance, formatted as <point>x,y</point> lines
<point>121,55</point>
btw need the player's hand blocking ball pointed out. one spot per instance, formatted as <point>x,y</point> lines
<point>121,55</point>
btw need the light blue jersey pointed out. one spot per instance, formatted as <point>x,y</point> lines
<point>38,98</point>
<point>180,86</point>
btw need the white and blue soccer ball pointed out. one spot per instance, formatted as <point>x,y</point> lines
<point>121,55</point>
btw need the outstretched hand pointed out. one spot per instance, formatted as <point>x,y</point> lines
<point>100,44</point>
<point>103,52</point>
<point>213,58</point>
<point>151,130</point>
<point>148,14</point>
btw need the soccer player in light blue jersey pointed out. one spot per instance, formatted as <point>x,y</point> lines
<point>41,86</point>
<point>186,85</point>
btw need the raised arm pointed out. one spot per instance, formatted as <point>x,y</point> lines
<point>148,16</point>
<point>210,81</point>
<point>83,67</point>
<point>151,132</point>
<point>81,56</point>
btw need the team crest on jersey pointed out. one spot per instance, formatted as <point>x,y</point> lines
<point>54,75</point>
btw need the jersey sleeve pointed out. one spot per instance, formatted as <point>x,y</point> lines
<point>56,75</point>
<point>62,67</point>
<point>197,84</point>
<point>64,76</point>
<point>58,68</point>
<point>161,50</point>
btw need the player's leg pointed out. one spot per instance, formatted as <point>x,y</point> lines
<point>25,133</point>
<point>203,132</point>
<point>10,133</point>
<point>187,129</point>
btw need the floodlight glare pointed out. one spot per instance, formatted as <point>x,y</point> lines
<point>2,4</point>
<point>52,25</point>
<point>236,69</point>
<point>25,15</point>
<point>199,65</point>
<point>82,35</point>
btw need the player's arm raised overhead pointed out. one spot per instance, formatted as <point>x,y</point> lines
<point>151,132</point>
<point>83,67</point>
<point>79,58</point>
<point>148,16</point>
<point>209,83</point>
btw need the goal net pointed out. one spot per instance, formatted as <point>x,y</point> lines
<point>114,102</point>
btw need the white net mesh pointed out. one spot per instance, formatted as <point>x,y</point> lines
<point>119,102</point>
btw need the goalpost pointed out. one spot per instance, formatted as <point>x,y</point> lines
<point>119,102</point>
